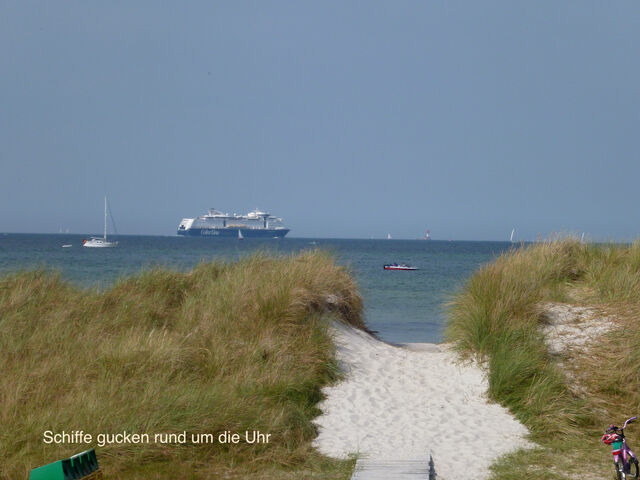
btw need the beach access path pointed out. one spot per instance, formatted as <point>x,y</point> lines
<point>402,403</point>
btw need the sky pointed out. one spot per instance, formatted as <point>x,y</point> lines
<point>349,119</point>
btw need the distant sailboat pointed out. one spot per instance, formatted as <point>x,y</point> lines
<point>388,236</point>
<point>582,238</point>
<point>511,237</point>
<point>98,242</point>
<point>427,236</point>
<point>240,237</point>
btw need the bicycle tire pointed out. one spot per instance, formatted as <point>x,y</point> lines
<point>619,466</point>
<point>634,472</point>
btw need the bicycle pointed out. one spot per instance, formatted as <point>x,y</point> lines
<point>624,460</point>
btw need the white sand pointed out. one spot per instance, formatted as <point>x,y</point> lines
<point>569,333</point>
<point>570,327</point>
<point>404,403</point>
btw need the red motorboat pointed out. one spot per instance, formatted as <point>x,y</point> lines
<point>403,266</point>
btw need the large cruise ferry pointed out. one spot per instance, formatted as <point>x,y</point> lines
<point>254,224</point>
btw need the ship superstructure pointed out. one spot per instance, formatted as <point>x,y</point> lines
<point>217,224</point>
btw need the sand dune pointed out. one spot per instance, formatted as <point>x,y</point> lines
<point>406,402</point>
<point>572,327</point>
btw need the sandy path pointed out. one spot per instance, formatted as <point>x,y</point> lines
<point>403,403</point>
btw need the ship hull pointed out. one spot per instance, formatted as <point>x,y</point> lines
<point>233,232</point>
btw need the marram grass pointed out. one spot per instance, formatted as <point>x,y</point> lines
<point>497,318</point>
<point>226,347</point>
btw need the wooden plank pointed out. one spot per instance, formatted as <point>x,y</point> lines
<point>373,469</point>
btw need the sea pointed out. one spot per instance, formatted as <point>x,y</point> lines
<point>401,306</point>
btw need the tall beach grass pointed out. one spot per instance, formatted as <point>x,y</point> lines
<point>228,346</point>
<point>566,402</point>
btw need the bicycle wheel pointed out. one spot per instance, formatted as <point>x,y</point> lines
<point>633,468</point>
<point>620,475</point>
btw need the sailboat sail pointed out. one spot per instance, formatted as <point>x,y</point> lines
<point>105,218</point>
<point>511,237</point>
<point>113,222</point>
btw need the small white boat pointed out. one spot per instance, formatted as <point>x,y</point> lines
<point>67,246</point>
<point>240,237</point>
<point>395,266</point>
<point>511,237</point>
<point>97,242</point>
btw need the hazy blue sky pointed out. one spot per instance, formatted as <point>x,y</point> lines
<point>348,119</point>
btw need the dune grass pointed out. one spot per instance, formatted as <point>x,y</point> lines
<point>228,346</point>
<point>566,403</point>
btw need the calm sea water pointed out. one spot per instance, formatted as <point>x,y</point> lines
<point>401,306</point>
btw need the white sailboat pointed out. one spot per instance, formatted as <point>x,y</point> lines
<point>98,242</point>
<point>388,236</point>
<point>240,237</point>
<point>511,237</point>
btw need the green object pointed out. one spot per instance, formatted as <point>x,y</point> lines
<point>74,468</point>
<point>616,445</point>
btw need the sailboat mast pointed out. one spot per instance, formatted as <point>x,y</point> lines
<point>105,218</point>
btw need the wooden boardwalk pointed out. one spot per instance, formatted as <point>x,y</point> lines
<point>372,469</point>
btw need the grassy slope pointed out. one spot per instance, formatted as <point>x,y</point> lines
<point>237,347</point>
<point>497,318</point>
